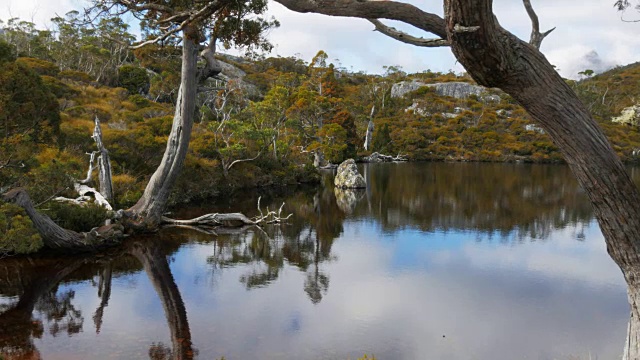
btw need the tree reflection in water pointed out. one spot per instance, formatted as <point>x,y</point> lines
<point>511,201</point>
<point>41,301</point>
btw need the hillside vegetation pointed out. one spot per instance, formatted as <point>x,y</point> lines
<point>262,123</point>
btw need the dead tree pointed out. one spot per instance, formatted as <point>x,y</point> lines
<point>496,58</point>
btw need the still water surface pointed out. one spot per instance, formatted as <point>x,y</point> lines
<point>432,261</point>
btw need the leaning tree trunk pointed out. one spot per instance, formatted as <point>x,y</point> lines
<point>496,58</point>
<point>56,237</point>
<point>147,212</point>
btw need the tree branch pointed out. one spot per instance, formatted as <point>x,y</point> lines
<point>406,38</point>
<point>145,7</point>
<point>206,11</point>
<point>536,36</point>
<point>242,160</point>
<point>391,10</point>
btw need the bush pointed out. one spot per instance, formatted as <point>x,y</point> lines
<point>17,234</point>
<point>40,67</point>
<point>77,218</point>
<point>77,76</point>
<point>134,79</point>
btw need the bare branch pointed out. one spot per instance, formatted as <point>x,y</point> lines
<point>406,38</point>
<point>536,36</point>
<point>92,158</point>
<point>242,160</point>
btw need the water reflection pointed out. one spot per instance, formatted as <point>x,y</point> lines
<point>407,269</point>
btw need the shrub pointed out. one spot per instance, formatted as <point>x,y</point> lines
<point>17,234</point>
<point>134,79</point>
<point>77,218</point>
<point>40,67</point>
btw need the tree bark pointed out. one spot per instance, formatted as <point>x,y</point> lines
<point>56,237</point>
<point>147,212</point>
<point>104,164</point>
<point>496,58</point>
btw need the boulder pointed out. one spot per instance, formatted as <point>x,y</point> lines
<point>348,176</point>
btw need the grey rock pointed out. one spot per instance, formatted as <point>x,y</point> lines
<point>403,87</point>
<point>418,109</point>
<point>348,176</point>
<point>458,90</point>
<point>534,127</point>
<point>503,113</point>
<point>491,98</point>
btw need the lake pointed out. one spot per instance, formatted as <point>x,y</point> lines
<point>432,261</point>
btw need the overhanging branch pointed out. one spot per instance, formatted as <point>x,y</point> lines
<point>391,10</point>
<point>406,38</point>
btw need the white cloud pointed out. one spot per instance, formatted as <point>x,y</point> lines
<point>591,25</point>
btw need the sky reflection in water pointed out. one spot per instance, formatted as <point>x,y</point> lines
<point>413,270</point>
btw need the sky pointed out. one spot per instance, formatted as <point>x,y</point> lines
<point>591,35</point>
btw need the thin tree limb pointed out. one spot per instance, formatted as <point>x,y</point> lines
<point>407,38</point>
<point>536,35</point>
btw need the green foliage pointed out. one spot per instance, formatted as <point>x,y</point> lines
<point>134,79</point>
<point>17,234</point>
<point>27,105</point>
<point>39,66</point>
<point>7,52</point>
<point>74,217</point>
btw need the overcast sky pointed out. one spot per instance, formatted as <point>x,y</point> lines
<point>590,34</point>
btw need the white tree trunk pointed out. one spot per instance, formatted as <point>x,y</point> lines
<point>148,210</point>
<point>104,164</point>
<point>369,135</point>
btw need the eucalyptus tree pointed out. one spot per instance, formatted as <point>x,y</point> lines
<point>196,25</point>
<point>496,58</point>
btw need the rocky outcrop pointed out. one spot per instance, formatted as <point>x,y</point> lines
<point>629,116</point>
<point>348,176</point>
<point>458,90</point>
<point>404,87</point>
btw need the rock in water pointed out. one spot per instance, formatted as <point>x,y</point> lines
<point>348,176</point>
